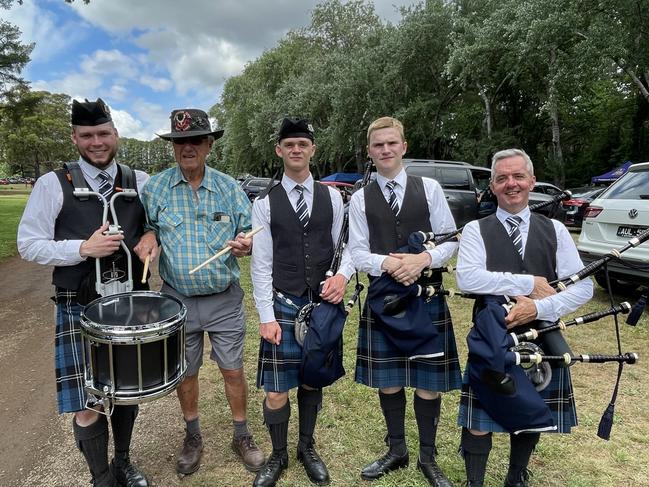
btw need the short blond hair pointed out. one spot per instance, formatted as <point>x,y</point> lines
<point>385,123</point>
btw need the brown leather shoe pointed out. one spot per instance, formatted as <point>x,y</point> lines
<point>190,458</point>
<point>252,457</point>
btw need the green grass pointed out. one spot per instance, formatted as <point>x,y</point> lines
<point>12,203</point>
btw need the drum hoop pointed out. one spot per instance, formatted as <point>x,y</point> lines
<point>154,330</point>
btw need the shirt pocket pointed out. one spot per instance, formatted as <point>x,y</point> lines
<point>219,232</point>
<point>171,227</point>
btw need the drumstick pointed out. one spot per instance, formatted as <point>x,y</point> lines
<point>223,251</point>
<point>146,268</point>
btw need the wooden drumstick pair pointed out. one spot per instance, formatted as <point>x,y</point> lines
<point>223,251</point>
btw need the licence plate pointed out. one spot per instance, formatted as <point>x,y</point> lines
<point>630,232</point>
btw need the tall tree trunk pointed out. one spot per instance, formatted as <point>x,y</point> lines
<point>487,109</point>
<point>553,111</point>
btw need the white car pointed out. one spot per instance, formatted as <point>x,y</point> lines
<point>617,215</point>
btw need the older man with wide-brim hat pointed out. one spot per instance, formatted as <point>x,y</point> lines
<point>195,210</point>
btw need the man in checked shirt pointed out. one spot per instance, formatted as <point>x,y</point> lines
<point>195,211</point>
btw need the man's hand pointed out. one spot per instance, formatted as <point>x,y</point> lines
<point>100,245</point>
<point>333,289</point>
<point>241,246</point>
<point>147,246</point>
<point>409,266</point>
<point>271,332</point>
<point>522,313</point>
<point>541,288</point>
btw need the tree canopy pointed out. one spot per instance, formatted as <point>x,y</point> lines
<point>566,80</point>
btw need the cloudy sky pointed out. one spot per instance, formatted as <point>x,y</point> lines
<point>147,57</point>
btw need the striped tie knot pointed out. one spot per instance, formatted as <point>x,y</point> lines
<point>301,210</point>
<point>394,204</point>
<point>106,186</point>
<point>515,234</point>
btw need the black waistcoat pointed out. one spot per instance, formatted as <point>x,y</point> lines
<point>79,220</point>
<point>301,256</point>
<point>387,231</point>
<point>540,249</point>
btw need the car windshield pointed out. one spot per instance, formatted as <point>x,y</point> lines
<point>632,186</point>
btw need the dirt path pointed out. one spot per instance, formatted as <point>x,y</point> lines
<point>36,446</point>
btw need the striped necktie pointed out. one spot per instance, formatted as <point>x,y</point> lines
<point>106,186</point>
<point>394,204</point>
<point>301,209</point>
<point>515,233</point>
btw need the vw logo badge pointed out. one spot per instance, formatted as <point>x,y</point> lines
<point>633,213</point>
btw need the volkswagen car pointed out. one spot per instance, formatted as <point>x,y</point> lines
<point>611,220</point>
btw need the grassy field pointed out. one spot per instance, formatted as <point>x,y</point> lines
<point>12,201</point>
<point>350,428</point>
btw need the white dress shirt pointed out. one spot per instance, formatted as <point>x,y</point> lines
<point>261,268</point>
<point>36,229</point>
<point>473,276</point>
<point>441,221</point>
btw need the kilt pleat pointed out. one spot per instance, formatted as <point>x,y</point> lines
<point>558,395</point>
<point>278,366</point>
<point>380,364</point>
<point>68,357</point>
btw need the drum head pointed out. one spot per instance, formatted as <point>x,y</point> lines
<point>133,313</point>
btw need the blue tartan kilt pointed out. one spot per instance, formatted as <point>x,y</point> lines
<point>380,364</point>
<point>68,356</point>
<point>558,395</point>
<point>278,366</point>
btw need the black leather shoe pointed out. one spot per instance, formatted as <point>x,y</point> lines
<point>190,457</point>
<point>518,479</point>
<point>270,473</point>
<point>315,468</point>
<point>127,474</point>
<point>386,464</point>
<point>433,473</point>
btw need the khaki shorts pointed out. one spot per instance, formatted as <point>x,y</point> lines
<point>221,316</point>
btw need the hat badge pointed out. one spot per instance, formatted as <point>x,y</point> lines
<point>182,121</point>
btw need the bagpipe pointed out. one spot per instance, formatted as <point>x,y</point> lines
<point>430,240</point>
<point>507,391</point>
<point>508,370</point>
<point>319,325</point>
<point>402,310</point>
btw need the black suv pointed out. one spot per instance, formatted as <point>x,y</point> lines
<point>252,186</point>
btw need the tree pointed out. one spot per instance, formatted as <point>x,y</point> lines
<point>13,57</point>
<point>35,130</point>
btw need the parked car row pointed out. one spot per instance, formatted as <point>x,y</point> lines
<point>16,180</point>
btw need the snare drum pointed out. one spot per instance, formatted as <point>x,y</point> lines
<point>133,346</point>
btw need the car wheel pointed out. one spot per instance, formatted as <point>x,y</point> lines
<point>617,286</point>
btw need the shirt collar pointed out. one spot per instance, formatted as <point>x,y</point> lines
<point>289,184</point>
<point>93,172</point>
<point>208,183</point>
<point>524,214</point>
<point>399,178</point>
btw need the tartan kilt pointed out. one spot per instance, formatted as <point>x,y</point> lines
<point>558,395</point>
<point>380,364</point>
<point>68,355</point>
<point>278,366</point>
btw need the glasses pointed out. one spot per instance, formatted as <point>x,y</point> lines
<point>198,140</point>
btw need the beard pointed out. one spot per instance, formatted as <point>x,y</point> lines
<point>102,164</point>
